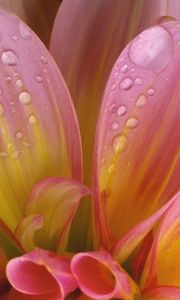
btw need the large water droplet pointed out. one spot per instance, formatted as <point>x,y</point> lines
<point>121,111</point>
<point>152,49</point>
<point>141,101</point>
<point>131,123</point>
<point>9,58</point>
<point>119,143</point>
<point>32,120</point>
<point>1,110</point>
<point>126,83</point>
<point>25,98</point>
<point>24,31</point>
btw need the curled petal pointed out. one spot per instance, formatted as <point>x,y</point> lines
<point>99,277</point>
<point>162,293</point>
<point>56,200</point>
<point>41,273</point>
<point>163,259</point>
<point>37,139</point>
<point>136,166</point>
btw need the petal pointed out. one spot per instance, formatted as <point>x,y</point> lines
<point>162,293</point>
<point>41,272</point>
<point>37,139</point>
<point>15,295</point>
<point>124,247</point>
<point>99,277</point>
<point>136,166</point>
<point>39,15</point>
<point>56,200</point>
<point>163,259</point>
<point>85,55</point>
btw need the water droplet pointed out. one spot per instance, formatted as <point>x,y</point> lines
<point>39,79</point>
<point>132,70</point>
<point>115,125</point>
<point>103,160</point>
<point>116,74</point>
<point>43,59</point>
<point>24,31</point>
<point>3,154</point>
<point>19,135</point>
<point>14,155</point>
<point>112,108</point>
<point>138,81</point>
<point>25,98</point>
<point>32,120</point>
<point>152,49</point>
<point>151,92</point>
<point>141,101</point>
<point>9,58</point>
<point>121,110</point>
<point>111,168</point>
<point>124,68</point>
<point>14,37</point>
<point>119,143</point>
<point>131,123</point>
<point>8,79</point>
<point>1,110</point>
<point>126,83</point>
<point>19,83</point>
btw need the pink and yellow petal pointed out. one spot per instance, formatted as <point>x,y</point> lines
<point>100,277</point>
<point>39,133</point>
<point>41,273</point>
<point>137,146</point>
<point>56,200</point>
<point>162,293</point>
<point>162,266</point>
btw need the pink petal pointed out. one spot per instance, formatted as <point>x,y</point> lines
<point>99,277</point>
<point>56,200</point>
<point>39,133</point>
<point>15,295</point>
<point>86,53</point>
<point>124,247</point>
<point>136,163</point>
<point>162,293</point>
<point>163,264</point>
<point>41,272</point>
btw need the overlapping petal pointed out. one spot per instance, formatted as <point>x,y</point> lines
<point>137,143</point>
<point>162,266</point>
<point>162,293</point>
<point>39,134</point>
<point>41,273</point>
<point>99,277</point>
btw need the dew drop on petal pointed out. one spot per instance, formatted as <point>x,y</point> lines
<point>112,108</point>
<point>121,111</point>
<point>131,123</point>
<point>152,49</point>
<point>24,31</point>
<point>43,59</point>
<point>19,83</point>
<point>124,68</point>
<point>114,125</point>
<point>32,120</point>
<point>138,81</point>
<point>25,98</point>
<point>9,58</point>
<point>8,79</point>
<point>126,83</point>
<point>14,37</point>
<point>1,110</point>
<point>19,135</point>
<point>39,79</point>
<point>150,92</point>
<point>141,101</point>
<point>113,87</point>
<point>119,143</point>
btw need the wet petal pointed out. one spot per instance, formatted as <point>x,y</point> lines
<point>41,272</point>
<point>99,277</point>
<point>39,15</point>
<point>15,295</point>
<point>137,142</point>
<point>162,293</point>
<point>163,259</point>
<point>38,128</point>
<point>124,247</point>
<point>56,200</point>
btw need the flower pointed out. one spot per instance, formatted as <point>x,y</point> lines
<point>134,244</point>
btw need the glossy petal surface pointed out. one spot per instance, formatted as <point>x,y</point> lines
<point>162,293</point>
<point>163,259</point>
<point>137,142</point>
<point>99,277</point>
<point>56,200</point>
<point>41,273</point>
<point>38,130</point>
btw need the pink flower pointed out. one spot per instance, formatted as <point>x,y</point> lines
<point>118,239</point>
